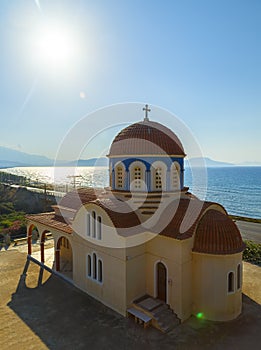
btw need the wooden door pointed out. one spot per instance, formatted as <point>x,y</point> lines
<point>162,282</point>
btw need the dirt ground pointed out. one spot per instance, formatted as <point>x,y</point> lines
<point>45,312</point>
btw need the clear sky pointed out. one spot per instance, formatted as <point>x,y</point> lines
<point>200,59</point>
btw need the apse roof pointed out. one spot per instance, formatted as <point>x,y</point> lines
<point>217,234</point>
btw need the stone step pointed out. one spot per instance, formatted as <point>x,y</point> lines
<point>164,318</point>
<point>150,303</point>
<point>156,312</point>
<point>167,320</point>
<point>147,207</point>
<point>147,195</point>
<point>147,202</point>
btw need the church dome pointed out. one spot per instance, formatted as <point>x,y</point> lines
<point>146,138</point>
<point>217,234</point>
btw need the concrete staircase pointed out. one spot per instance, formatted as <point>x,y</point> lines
<point>163,318</point>
<point>148,204</point>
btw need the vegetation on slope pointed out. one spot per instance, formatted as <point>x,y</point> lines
<point>14,204</point>
<point>252,253</point>
<point>244,218</point>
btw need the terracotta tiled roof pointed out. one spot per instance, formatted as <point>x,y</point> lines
<point>50,220</point>
<point>133,140</point>
<point>217,234</point>
<point>182,216</point>
<point>185,214</point>
<point>214,232</point>
<point>76,198</point>
<point>119,212</point>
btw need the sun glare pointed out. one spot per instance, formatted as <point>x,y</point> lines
<point>54,46</point>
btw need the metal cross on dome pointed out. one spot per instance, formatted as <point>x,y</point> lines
<point>146,109</point>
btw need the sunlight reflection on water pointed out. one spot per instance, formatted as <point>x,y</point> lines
<point>238,189</point>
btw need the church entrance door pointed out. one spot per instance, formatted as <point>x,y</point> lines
<point>161,282</point>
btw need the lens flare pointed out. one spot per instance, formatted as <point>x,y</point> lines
<point>37,2</point>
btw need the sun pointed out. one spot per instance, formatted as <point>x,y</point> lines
<point>54,45</point>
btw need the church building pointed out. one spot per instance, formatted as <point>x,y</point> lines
<point>145,246</point>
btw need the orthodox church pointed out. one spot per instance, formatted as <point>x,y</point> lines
<point>145,246</point>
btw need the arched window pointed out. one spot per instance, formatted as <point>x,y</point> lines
<point>158,178</point>
<point>175,175</point>
<point>231,282</point>
<point>158,173</point>
<point>238,276</point>
<point>94,224</point>
<point>99,228</point>
<point>94,266</point>
<point>119,177</point>
<point>89,265</point>
<point>99,270</point>
<point>137,177</point>
<point>88,228</point>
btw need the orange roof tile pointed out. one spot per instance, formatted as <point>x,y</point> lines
<point>51,220</point>
<point>78,197</point>
<point>134,140</point>
<point>185,214</point>
<point>217,234</point>
<point>119,212</point>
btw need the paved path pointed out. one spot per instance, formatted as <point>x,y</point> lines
<point>250,230</point>
<point>58,316</point>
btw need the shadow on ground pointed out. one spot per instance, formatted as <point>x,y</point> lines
<point>66,318</point>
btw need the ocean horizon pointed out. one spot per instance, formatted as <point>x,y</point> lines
<point>237,188</point>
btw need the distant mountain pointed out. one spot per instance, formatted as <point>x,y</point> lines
<point>194,162</point>
<point>88,162</point>
<point>10,157</point>
<point>7,164</point>
<point>13,158</point>
<point>197,162</point>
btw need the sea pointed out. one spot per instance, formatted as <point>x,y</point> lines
<point>237,188</point>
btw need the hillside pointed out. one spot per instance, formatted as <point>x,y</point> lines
<point>20,199</point>
<point>13,158</point>
<point>10,157</point>
<point>197,162</point>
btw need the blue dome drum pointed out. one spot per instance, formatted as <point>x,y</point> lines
<point>146,156</point>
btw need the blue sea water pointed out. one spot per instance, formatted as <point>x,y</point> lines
<point>238,189</point>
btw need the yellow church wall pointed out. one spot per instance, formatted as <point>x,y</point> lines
<point>210,286</point>
<point>112,290</point>
<point>176,256</point>
<point>109,235</point>
<point>135,273</point>
<point>168,248</point>
<point>185,290</point>
<point>196,283</point>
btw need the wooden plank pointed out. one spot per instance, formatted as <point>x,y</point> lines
<point>145,318</point>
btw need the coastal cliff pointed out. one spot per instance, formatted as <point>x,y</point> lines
<point>20,199</point>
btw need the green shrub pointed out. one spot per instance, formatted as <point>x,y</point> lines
<point>6,208</point>
<point>6,223</point>
<point>252,253</point>
<point>7,220</point>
